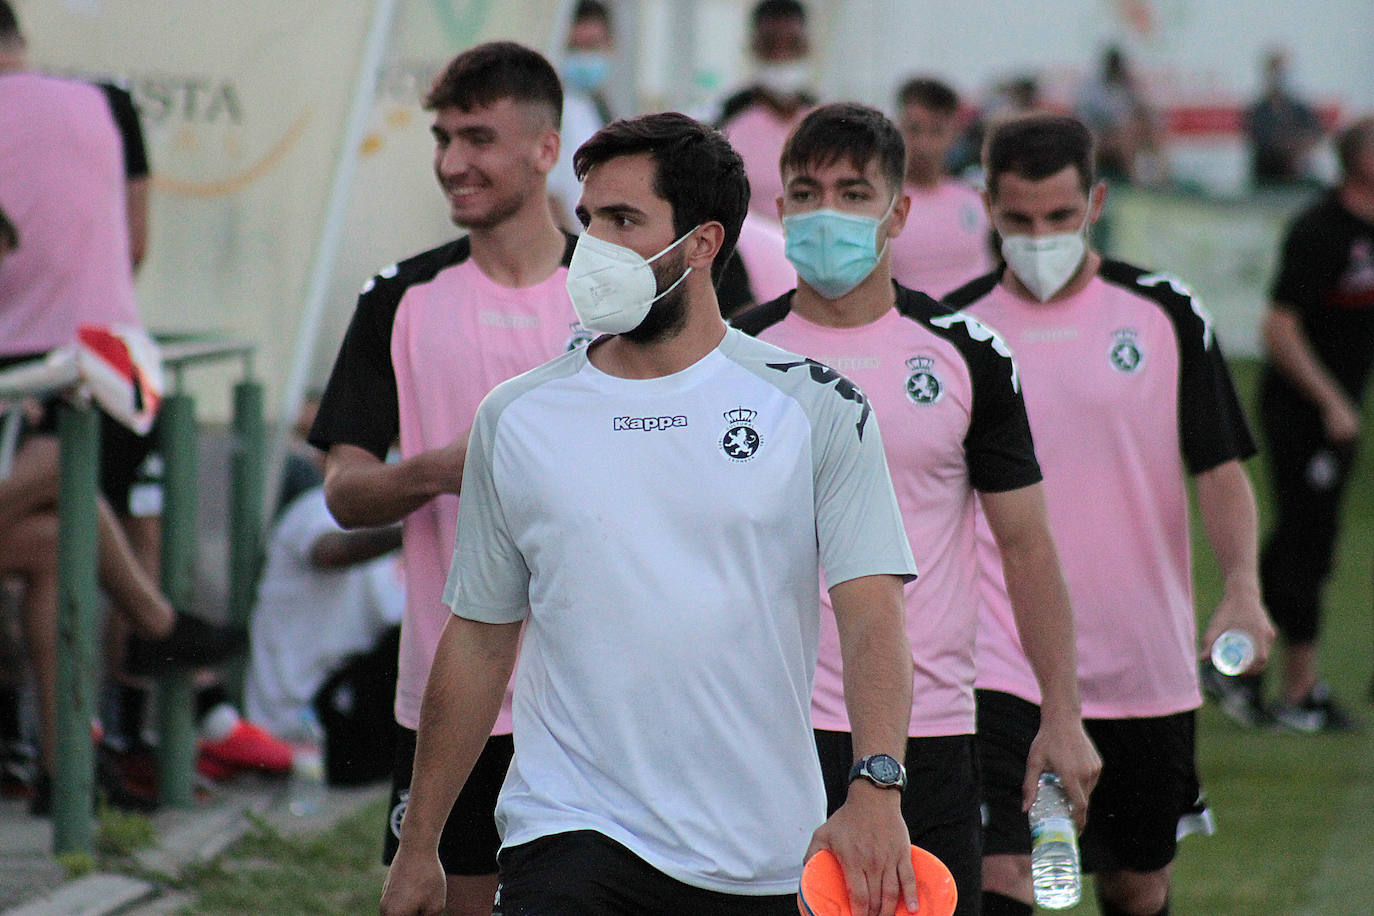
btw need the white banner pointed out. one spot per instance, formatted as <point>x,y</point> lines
<point>244,105</point>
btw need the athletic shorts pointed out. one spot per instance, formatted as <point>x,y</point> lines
<point>469,841</point>
<point>586,872</point>
<point>940,804</point>
<point>1147,798</point>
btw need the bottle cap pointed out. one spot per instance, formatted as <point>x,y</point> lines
<point>1233,652</point>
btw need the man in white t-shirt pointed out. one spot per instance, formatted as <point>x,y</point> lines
<point>654,512</point>
<point>1128,395</point>
<point>945,242</point>
<point>430,337</point>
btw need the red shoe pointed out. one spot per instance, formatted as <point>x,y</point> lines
<point>213,769</point>
<point>249,747</point>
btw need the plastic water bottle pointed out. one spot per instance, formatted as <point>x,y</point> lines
<point>1055,874</point>
<point>1233,652</point>
<point>306,793</point>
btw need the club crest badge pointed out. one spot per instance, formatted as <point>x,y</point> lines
<point>580,337</point>
<point>1126,355</point>
<point>741,440</point>
<point>398,813</point>
<point>923,386</point>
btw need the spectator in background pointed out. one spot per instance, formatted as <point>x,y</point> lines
<point>758,118</point>
<point>1319,334</point>
<point>1282,129</point>
<point>1012,96</point>
<point>326,594</point>
<point>585,69</point>
<point>1113,105</point>
<point>945,243</point>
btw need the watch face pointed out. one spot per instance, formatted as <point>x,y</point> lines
<point>885,769</point>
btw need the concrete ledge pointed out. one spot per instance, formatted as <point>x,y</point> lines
<point>93,895</point>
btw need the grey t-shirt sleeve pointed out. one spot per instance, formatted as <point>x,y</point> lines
<point>858,523</point>
<point>488,579</point>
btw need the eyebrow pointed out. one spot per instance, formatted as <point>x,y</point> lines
<point>808,182</point>
<point>611,211</point>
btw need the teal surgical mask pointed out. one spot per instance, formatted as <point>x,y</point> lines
<point>834,251</point>
<point>586,71</point>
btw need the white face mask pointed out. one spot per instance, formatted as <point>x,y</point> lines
<point>791,78</point>
<point>611,287</point>
<point>1044,264</point>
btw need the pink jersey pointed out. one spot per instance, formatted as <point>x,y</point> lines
<point>945,242</point>
<point>952,421</point>
<point>62,183</point>
<point>430,338</point>
<point>757,134</point>
<point>1127,393</point>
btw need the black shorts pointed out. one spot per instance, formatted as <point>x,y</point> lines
<point>1147,797</point>
<point>940,804</point>
<point>126,458</point>
<point>585,872</point>
<point>469,841</point>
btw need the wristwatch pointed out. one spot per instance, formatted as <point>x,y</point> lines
<point>881,770</point>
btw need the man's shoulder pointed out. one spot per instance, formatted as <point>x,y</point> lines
<point>386,287</point>
<point>513,389</point>
<point>973,291</point>
<point>763,316</point>
<point>817,388</point>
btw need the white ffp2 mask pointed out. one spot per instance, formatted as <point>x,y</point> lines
<point>612,287</point>
<point>1044,264</point>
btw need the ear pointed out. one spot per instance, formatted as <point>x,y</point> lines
<point>778,202</point>
<point>1097,197</point>
<point>546,147</point>
<point>987,203</point>
<point>701,249</point>
<point>900,211</point>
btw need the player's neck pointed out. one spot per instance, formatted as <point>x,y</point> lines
<point>1086,271</point>
<point>11,58</point>
<point>700,334</point>
<point>925,182</point>
<point>862,305</point>
<point>520,251</point>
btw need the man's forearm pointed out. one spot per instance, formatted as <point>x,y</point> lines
<point>877,663</point>
<point>362,491</point>
<point>462,698</point>
<point>1226,503</point>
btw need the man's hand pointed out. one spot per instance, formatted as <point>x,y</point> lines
<point>869,837</point>
<point>1341,421</point>
<point>1063,748</point>
<point>415,884</point>
<point>1241,609</point>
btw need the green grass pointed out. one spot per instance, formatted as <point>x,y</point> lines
<point>1295,813</point>
<point>337,871</point>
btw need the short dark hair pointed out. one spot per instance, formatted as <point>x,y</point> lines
<point>846,130</point>
<point>487,73</point>
<point>9,23</point>
<point>930,93</point>
<point>695,169</point>
<point>1351,140</point>
<point>777,9</point>
<point>9,236</point>
<point>592,9</point>
<point>1037,145</point>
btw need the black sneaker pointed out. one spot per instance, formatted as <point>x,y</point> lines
<point>1238,696</point>
<point>1318,712</point>
<point>193,643</point>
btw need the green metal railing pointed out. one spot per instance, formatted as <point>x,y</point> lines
<point>79,435</point>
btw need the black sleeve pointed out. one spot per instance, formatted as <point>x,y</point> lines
<point>1306,267</point>
<point>130,132</point>
<point>1212,428</point>
<point>761,317</point>
<point>360,405</point>
<point>998,447</point>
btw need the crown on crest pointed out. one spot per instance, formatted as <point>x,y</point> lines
<point>741,415</point>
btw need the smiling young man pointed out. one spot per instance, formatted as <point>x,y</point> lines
<point>654,511</point>
<point>1127,394</point>
<point>430,337</point>
<point>954,426</point>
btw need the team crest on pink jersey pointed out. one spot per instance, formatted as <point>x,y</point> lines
<point>923,386</point>
<point>1126,355</point>
<point>740,441</point>
<point>580,337</point>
